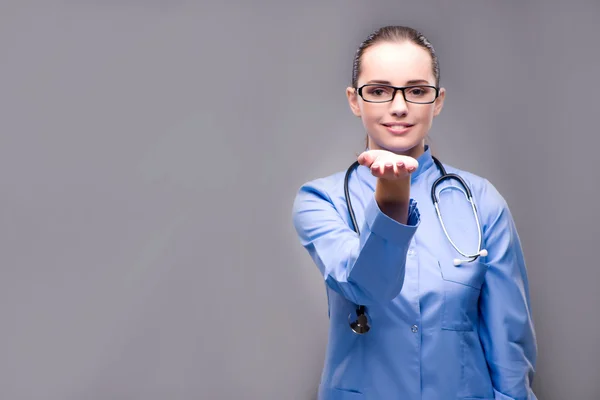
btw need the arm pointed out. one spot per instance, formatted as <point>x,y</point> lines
<point>393,198</point>
<point>365,269</point>
<point>506,326</point>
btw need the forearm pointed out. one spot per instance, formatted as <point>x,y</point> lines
<point>367,268</point>
<point>393,198</point>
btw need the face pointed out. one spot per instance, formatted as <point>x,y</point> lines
<point>397,126</point>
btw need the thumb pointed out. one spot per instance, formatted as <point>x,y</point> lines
<point>368,157</point>
<point>365,158</point>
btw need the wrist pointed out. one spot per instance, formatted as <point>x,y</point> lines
<point>393,198</point>
<point>393,190</point>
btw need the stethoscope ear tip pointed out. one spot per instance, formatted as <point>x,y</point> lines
<point>482,253</point>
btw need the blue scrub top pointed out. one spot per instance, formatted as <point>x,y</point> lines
<point>438,331</point>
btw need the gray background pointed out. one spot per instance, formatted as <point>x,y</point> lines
<point>150,152</point>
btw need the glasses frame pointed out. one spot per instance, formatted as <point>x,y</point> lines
<point>396,88</point>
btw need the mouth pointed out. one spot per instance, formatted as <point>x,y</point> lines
<point>398,128</point>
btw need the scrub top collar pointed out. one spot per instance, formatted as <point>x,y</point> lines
<point>426,163</point>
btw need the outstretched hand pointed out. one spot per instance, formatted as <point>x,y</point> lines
<point>387,165</point>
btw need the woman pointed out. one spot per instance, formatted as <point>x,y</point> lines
<point>407,322</point>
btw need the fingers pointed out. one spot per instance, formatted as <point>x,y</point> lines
<point>399,167</point>
<point>393,168</point>
<point>385,164</point>
<point>411,164</point>
<point>390,169</point>
<point>381,167</point>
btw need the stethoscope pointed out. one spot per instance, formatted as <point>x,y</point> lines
<point>360,324</point>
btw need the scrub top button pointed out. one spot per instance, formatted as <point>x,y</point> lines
<point>414,329</point>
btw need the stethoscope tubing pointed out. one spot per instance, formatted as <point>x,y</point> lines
<point>361,325</point>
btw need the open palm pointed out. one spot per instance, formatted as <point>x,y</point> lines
<point>387,165</point>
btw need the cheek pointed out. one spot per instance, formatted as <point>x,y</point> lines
<point>426,115</point>
<point>371,114</point>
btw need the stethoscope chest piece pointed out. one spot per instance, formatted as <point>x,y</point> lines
<point>359,321</point>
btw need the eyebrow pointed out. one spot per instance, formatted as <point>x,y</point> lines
<point>411,82</point>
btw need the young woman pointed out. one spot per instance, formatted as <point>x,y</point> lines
<point>424,303</point>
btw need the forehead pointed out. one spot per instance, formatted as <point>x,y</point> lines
<point>397,63</point>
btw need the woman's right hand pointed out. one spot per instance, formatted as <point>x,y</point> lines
<point>387,165</point>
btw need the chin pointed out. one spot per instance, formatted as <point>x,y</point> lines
<point>398,145</point>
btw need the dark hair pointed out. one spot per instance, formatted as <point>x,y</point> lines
<point>395,34</point>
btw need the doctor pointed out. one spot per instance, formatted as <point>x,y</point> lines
<point>406,322</point>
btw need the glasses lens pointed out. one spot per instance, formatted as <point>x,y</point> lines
<point>377,93</point>
<point>420,94</point>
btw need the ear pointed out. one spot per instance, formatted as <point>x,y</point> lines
<point>352,96</point>
<point>439,102</point>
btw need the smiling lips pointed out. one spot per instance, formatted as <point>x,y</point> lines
<point>397,128</point>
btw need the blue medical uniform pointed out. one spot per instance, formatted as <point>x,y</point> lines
<point>438,331</point>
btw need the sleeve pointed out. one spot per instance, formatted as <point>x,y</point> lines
<point>506,326</point>
<point>365,269</point>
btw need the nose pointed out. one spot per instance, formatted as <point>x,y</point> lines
<point>398,106</point>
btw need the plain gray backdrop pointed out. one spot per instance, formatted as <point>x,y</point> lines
<point>150,152</point>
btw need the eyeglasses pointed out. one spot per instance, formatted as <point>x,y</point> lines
<point>379,93</point>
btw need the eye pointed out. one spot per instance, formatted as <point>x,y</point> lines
<point>419,91</point>
<point>378,91</point>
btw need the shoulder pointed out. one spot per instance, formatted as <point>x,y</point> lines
<point>314,206</point>
<point>323,188</point>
